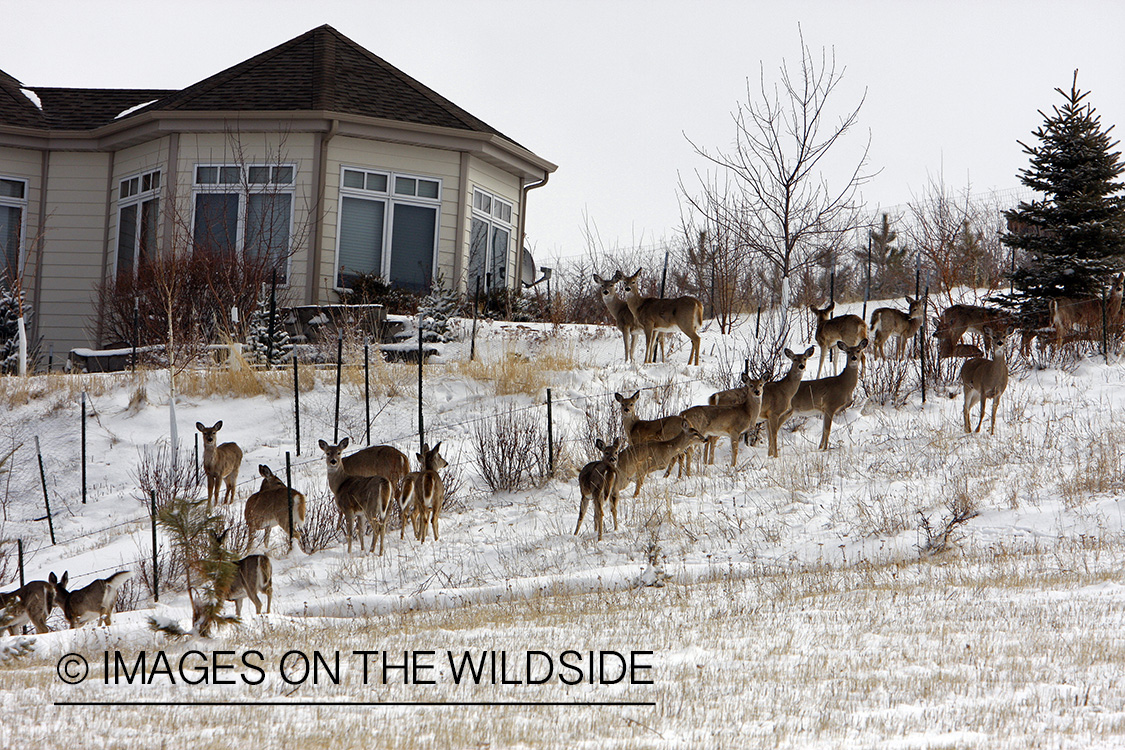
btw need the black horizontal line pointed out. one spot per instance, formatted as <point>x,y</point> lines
<point>649,704</point>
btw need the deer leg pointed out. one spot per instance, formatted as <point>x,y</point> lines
<point>823,352</point>
<point>734,449</point>
<point>613,506</point>
<point>995,402</point>
<point>434,522</point>
<point>826,431</point>
<point>238,607</point>
<point>965,407</point>
<point>983,402</point>
<point>581,513</point>
<point>599,513</point>
<point>253,595</point>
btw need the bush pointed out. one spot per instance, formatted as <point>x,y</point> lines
<point>511,450</point>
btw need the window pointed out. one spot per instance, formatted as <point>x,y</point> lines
<point>490,235</point>
<point>138,208</point>
<point>245,212</point>
<point>388,227</point>
<point>13,207</point>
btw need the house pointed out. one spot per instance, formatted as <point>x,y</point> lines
<point>317,154</point>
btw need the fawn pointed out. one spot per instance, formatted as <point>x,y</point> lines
<point>598,483</point>
<point>220,462</point>
<point>269,507</point>
<point>423,493</point>
<point>93,602</point>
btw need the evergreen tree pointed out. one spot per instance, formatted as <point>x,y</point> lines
<point>258,335</point>
<point>1074,236</point>
<point>436,309</point>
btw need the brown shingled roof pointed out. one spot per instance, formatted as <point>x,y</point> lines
<point>321,70</point>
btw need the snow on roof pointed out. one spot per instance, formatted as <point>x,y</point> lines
<point>131,110</point>
<point>33,97</point>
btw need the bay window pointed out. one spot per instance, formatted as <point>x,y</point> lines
<point>490,235</point>
<point>13,210</point>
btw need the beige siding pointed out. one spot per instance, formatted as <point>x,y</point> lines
<point>414,160</point>
<point>73,242</point>
<point>256,148</point>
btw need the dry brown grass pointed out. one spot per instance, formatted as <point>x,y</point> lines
<point>513,371</point>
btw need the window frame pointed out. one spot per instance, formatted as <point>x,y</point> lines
<point>22,205</point>
<point>496,213</point>
<point>138,197</point>
<point>244,188</point>
<point>390,197</point>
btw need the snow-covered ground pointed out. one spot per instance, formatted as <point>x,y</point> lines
<point>799,610</point>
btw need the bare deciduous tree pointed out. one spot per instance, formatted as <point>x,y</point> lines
<point>782,207</point>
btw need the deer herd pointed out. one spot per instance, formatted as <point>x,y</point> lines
<point>365,486</point>
<point>650,445</point>
<point>368,483</point>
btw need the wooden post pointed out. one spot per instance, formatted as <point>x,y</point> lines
<point>1105,325</point>
<point>550,438</point>
<point>289,497</point>
<point>46,497</point>
<point>367,387</point>
<point>83,447</point>
<point>339,365</point>
<point>421,421</point>
<point>664,273</point>
<point>473,342</point>
<point>19,549</point>
<point>867,292</point>
<point>155,558</point>
<point>296,403</point>
<point>922,343</point>
<point>758,323</point>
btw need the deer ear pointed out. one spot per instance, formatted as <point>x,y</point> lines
<point>65,578</point>
<point>199,426</point>
<point>599,279</point>
<point>809,351</point>
<point>344,443</point>
<point>434,450</point>
<point>789,354</point>
<point>218,425</point>
<point>863,344</point>
<point>635,394</point>
<point>619,397</point>
<point>52,579</point>
<point>264,470</point>
<point>323,445</point>
<point>841,346</point>
<point>599,444</point>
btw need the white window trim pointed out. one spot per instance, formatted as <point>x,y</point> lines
<point>136,199</point>
<point>390,199</point>
<point>493,220</point>
<point>22,204</point>
<point>243,189</point>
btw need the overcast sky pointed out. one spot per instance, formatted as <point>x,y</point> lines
<point>609,90</point>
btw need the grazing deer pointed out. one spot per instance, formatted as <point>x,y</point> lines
<point>984,379</point>
<point>358,497</point>
<point>777,397</point>
<point>32,602</point>
<point>887,322</point>
<point>637,461</point>
<point>957,320</point>
<point>254,578</point>
<point>93,602</point>
<point>269,507</point>
<point>714,422</point>
<point>1086,314</point>
<point>848,329</point>
<point>830,395</point>
<point>597,482</point>
<point>423,493</point>
<point>656,315</point>
<point>220,462</point>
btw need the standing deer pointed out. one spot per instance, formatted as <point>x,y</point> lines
<point>220,463</point>
<point>830,395</point>
<point>716,421</point>
<point>656,315</point>
<point>887,322</point>
<point>957,320</point>
<point>637,461</point>
<point>32,602</point>
<point>848,329</point>
<point>376,461</point>
<point>984,379</point>
<point>1069,314</point>
<point>639,431</point>
<point>254,577</point>
<point>423,493</point>
<point>358,497</point>
<point>597,482</point>
<point>619,310</point>
<point>93,602</point>
<point>269,507</point>
<point>777,397</point>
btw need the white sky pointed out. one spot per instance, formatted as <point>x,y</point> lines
<point>608,90</point>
